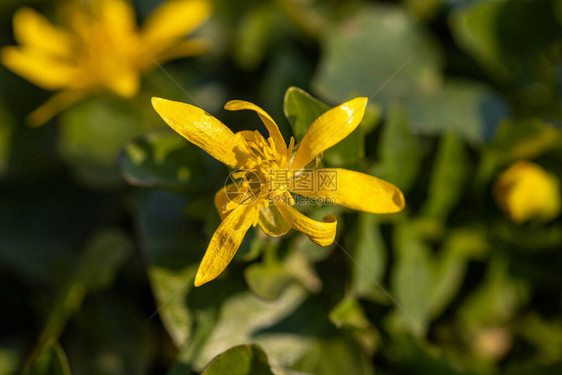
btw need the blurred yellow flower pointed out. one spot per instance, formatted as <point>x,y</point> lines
<point>526,191</point>
<point>269,170</point>
<point>97,47</point>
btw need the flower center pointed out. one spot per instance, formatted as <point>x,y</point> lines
<point>266,175</point>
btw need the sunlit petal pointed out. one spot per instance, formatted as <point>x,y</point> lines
<point>321,233</point>
<point>43,70</point>
<point>225,242</point>
<point>118,19</point>
<point>172,21</point>
<point>329,129</point>
<point>32,30</point>
<point>203,130</point>
<point>355,190</point>
<point>272,128</point>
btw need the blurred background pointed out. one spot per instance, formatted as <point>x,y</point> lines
<point>105,213</point>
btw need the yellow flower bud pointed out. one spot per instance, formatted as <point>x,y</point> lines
<point>526,191</point>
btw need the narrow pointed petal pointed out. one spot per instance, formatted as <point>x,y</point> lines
<point>203,130</point>
<point>32,30</point>
<point>53,106</point>
<point>272,128</point>
<point>119,20</point>
<point>225,242</point>
<point>354,190</point>
<point>172,21</point>
<point>321,233</point>
<point>329,129</point>
<point>38,67</point>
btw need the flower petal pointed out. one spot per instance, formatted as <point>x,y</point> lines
<point>272,222</point>
<point>272,128</point>
<point>183,49</point>
<point>203,130</point>
<point>321,233</point>
<point>355,190</point>
<point>225,242</point>
<point>124,82</point>
<point>118,18</point>
<point>329,129</point>
<point>171,21</point>
<point>227,194</point>
<point>54,105</point>
<point>39,68</point>
<point>33,30</point>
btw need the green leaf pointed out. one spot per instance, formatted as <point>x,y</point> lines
<point>531,238</point>
<point>506,36</point>
<point>267,280</point>
<point>450,266</point>
<point>93,133</point>
<point>174,248</point>
<point>348,152</point>
<point>293,330</point>
<point>301,267</point>
<point>349,312</point>
<point>302,109</point>
<point>468,109</point>
<point>412,280</point>
<point>303,245</point>
<point>399,150</point>
<point>407,355</point>
<point>245,318</point>
<point>496,300</point>
<point>515,140</point>
<point>379,51</point>
<point>515,41</point>
<point>254,35</point>
<point>370,253</point>
<point>448,177</point>
<point>334,356</point>
<point>349,315</point>
<point>524,139</point>
<point>102,259</point>
<point>240,360</point>
<point>50,361</point>
<point>164,159</point>
<point>170,288</point>
<point>543,334</point>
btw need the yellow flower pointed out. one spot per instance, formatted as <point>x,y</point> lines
<point>97,47</point>
<point>525,191</point>
<point>261,199</point>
